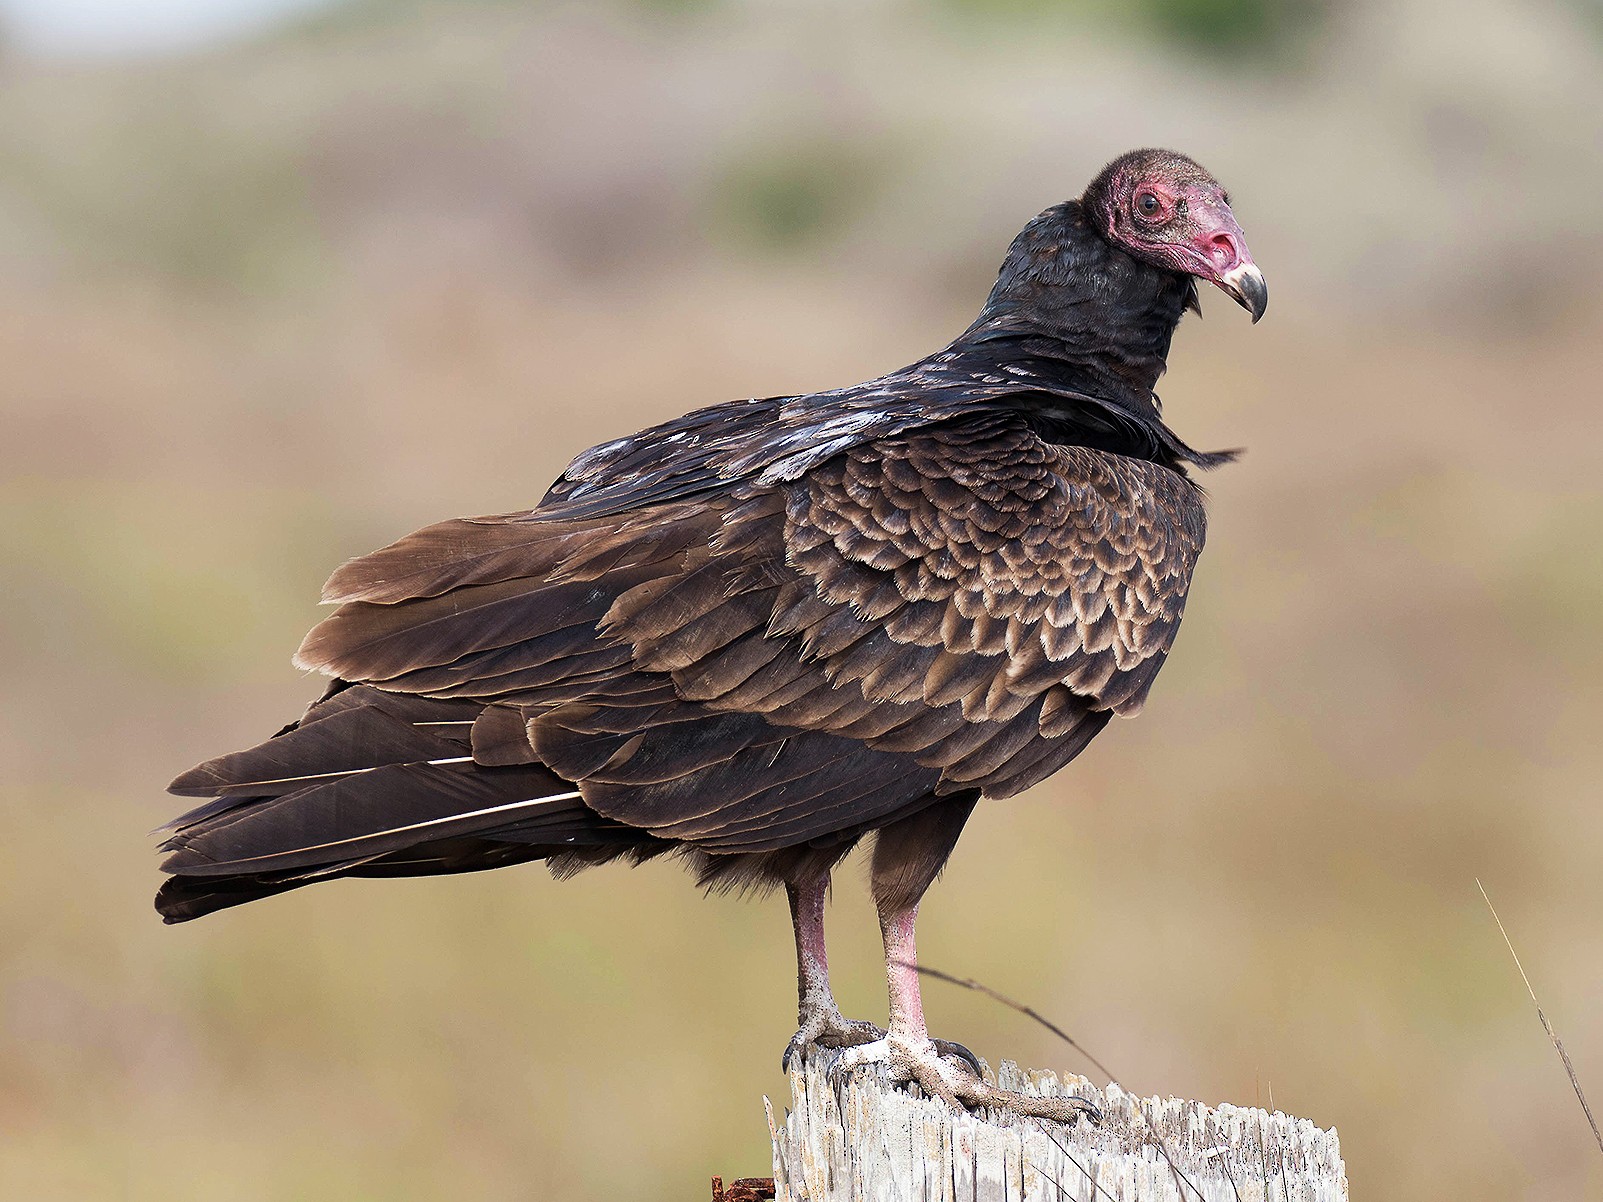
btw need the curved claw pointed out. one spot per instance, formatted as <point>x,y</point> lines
<point>1089,1110</point>
<point>1065,1108</point>
<point>796,1048</point>
<point>957,1051</point>
<point>829,1031</point>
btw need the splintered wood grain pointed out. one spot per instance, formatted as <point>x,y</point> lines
<point>857,1138</point>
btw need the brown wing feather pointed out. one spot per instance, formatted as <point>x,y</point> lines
<point>956,608</point>
<point>1042,564</point>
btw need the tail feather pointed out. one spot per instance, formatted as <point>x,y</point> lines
<point>354,740</point>
<point>369,813</point>
<point>182,898</point>
<point>373,784</point>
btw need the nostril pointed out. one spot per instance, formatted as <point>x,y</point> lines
<point>1222,250</point>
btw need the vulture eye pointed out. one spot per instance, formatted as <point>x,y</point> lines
<point>1148,205</point>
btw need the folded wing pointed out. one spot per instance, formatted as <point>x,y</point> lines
<point>962,607</point>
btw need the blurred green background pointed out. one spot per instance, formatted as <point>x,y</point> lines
<point>270,301</point>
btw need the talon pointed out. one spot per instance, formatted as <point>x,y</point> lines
<point>1068,1109</point>
<point>958,1052</point>
<point>827,1029</point>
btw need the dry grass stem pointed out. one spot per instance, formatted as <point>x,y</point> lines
<point>1558,1045</point>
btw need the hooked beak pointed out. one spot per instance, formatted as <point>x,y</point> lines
<point>1245,284</point>
<point>1217,252</point>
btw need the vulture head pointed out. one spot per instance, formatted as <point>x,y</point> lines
<point>1164,209</point>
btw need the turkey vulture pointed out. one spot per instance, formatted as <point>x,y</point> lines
<point>757,633</point>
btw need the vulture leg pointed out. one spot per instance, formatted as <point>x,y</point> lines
<point>908,855</point>
<point>820,1018</point>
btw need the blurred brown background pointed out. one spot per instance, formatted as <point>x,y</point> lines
<point>269,301</point>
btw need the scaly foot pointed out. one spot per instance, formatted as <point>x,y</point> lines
<point>940,1075</point>
<point>826,1027</point>
<point>830,1029</point>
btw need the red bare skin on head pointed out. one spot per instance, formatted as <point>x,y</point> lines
<point>1185,225</point>
<point>1164,209</point>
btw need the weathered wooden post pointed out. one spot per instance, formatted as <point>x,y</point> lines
<point>858,1138</point>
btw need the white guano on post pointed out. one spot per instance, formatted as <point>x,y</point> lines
<point>857,1138</point>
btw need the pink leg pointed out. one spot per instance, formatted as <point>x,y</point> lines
<point>812,957</point>
<point>943,1070</point>
<point>901,975</point>
<point>818,1016</point>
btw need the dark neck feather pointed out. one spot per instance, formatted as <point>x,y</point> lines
<point>1068,296</point>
